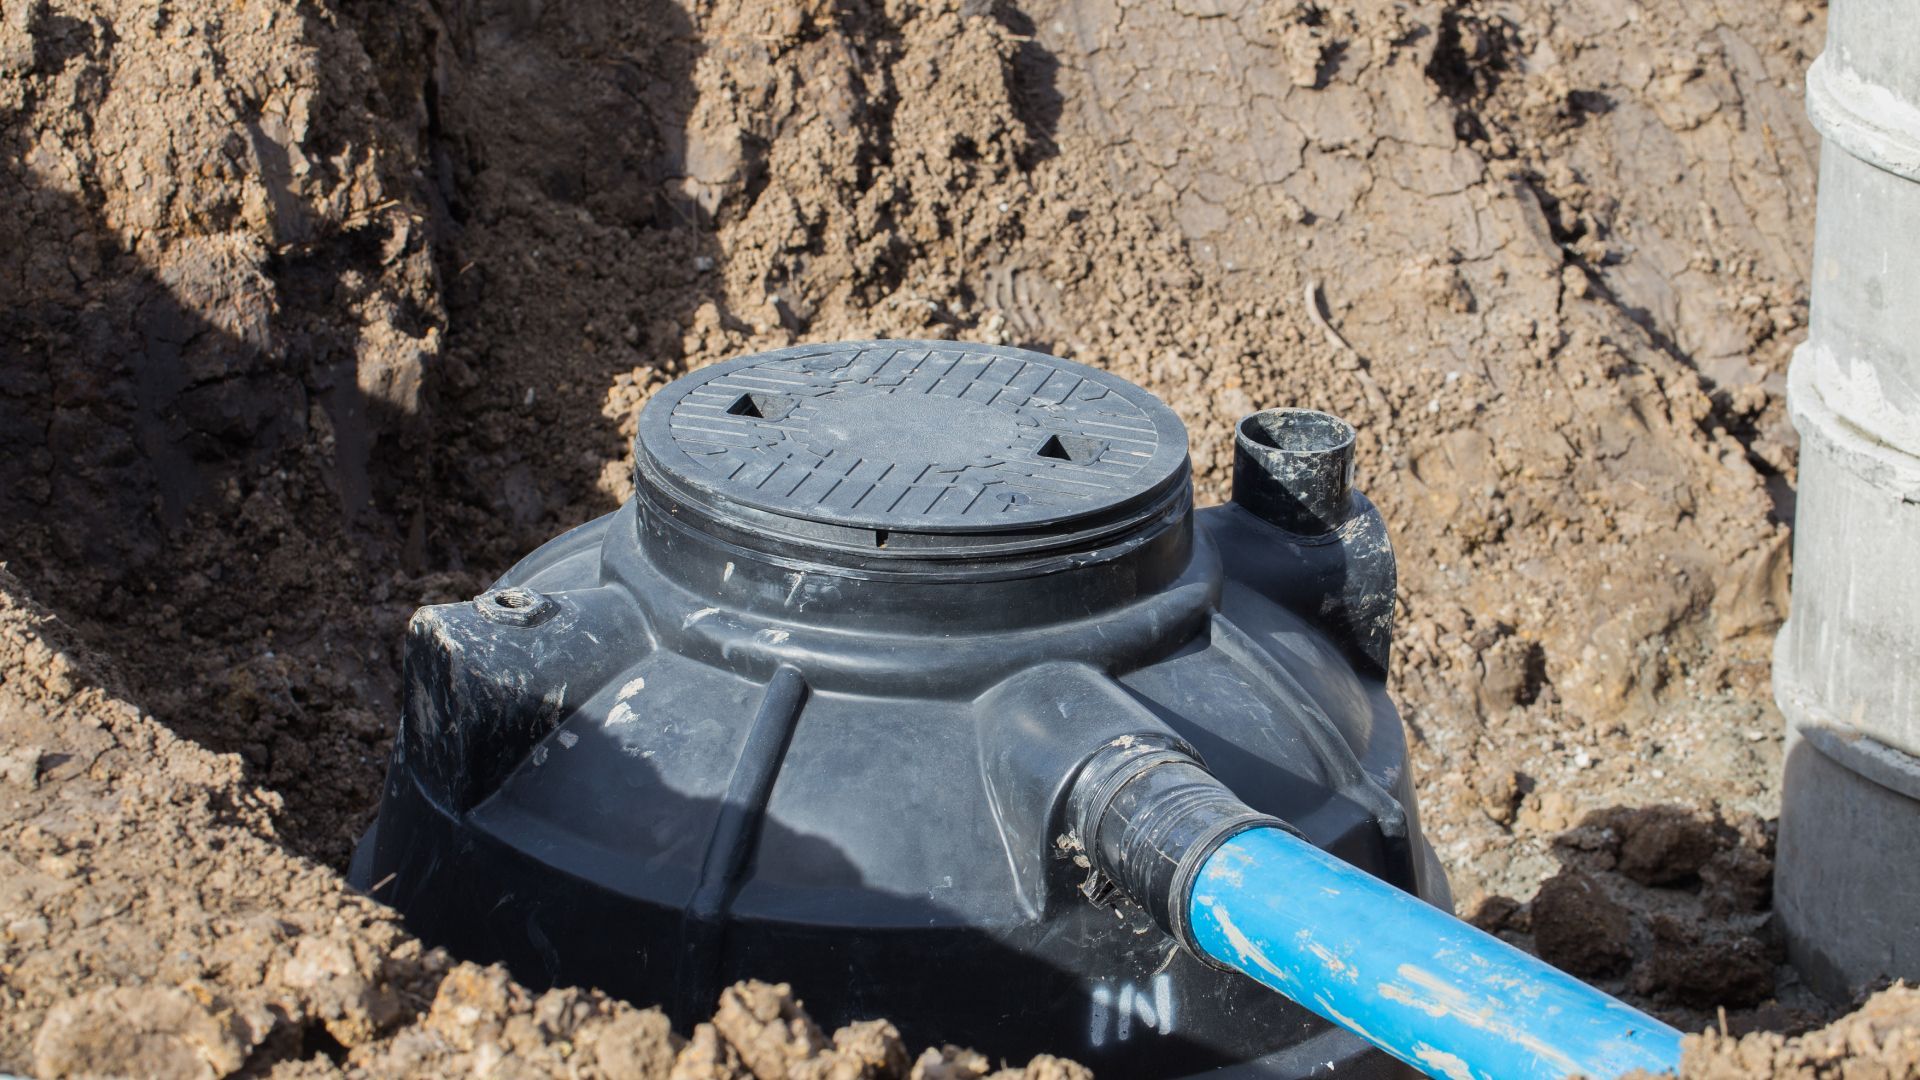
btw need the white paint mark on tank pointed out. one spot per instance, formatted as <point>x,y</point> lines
<point>634,686</point>
<point>620,714</point>
<point>1143,1008</point>
<point>1102,1007</point>
<point>567,739</point>
<point>773,637</point>
<point>697,616</point>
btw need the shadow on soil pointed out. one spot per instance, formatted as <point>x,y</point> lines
<point>198,485</point>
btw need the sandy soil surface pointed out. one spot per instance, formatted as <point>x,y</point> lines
<point>317,312</point>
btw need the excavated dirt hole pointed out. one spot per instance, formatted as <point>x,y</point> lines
<point>572,251</point>
<point>375,313</point>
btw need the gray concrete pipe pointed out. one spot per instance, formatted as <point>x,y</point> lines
<point>1847,664</point>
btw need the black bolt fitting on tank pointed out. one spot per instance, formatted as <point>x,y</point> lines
<point>1148,815</point>
<point>911,676</point>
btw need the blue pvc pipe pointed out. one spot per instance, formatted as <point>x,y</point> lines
<point>1423,986</point>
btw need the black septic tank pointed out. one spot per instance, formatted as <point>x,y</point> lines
<point>812,706</point>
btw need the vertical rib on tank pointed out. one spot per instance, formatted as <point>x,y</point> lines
<point>1847,665</point>
<point>808,707</point>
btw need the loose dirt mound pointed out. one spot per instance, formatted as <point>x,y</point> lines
<point>1882,1039</point>
<point>316,313</point>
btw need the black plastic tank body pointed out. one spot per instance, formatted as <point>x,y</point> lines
<point>808,708</point>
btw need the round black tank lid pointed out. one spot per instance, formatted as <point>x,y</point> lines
<point>914,447</point>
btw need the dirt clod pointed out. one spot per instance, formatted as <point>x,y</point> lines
<point>148,1031</point>
<point>1664,845</point>
<point>1579,928</point>
<point>955,1063</point>
<point>1880,1041</point>
<point>765,1024</point>
<point>868,1050</point>
<point>1703,968</point>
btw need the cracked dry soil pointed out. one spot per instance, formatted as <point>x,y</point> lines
<point>318,311</point>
